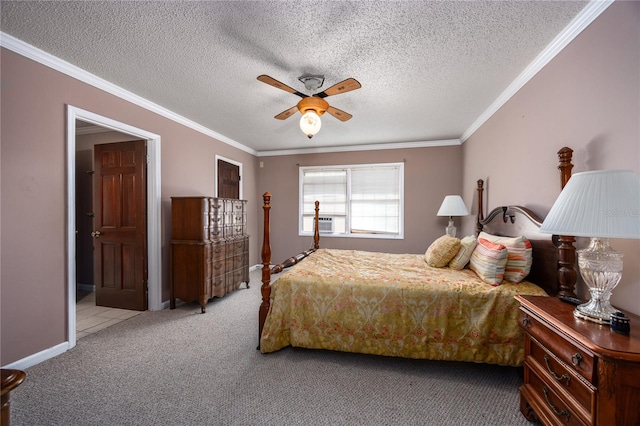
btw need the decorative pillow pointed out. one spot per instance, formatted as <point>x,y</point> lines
<point>488,261</point>
<point>441,251</point>
<point>460,260</point>
<point>519,257</point>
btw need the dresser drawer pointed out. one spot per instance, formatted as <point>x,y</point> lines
<point>218,284</point>
<point>216,232</point>
<point>565,379</point>
<point>216,220</point>
<point>240,246</point>
<point>238,207</point>
<point>552,404</point>
<point>577,358</point>
<point>218,250</point>
<point>218,267</point>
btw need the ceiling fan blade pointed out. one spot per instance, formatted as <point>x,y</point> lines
<point>275,83</point>
<point>342,87</point>
<point>339,114</point>
<point>286,114</point>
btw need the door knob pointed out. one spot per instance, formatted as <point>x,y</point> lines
<point>96,234</point>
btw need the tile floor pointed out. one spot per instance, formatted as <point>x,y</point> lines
<point>91,318</point>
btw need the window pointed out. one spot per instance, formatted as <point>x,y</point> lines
<point>355,201</point>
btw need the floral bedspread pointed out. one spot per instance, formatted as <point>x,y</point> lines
<point>394,305</point>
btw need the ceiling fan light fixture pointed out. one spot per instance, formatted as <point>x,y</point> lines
<point>310,123</point>
<point>312,107</point>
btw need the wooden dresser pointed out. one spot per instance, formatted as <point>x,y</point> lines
<point>209,248</point>
<point>577,372</point>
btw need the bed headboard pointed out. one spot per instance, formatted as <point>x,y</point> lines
<point>553,256</point>
<point>515,221</point>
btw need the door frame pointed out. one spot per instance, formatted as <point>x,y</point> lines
<point>154,207</point>
<point>215,173</point>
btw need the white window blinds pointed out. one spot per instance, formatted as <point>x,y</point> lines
<point>327,186</point>
<point>375,200</point>
<point>360,200</point>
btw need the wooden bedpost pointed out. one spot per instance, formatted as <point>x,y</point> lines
<point>316,232</point>
<point>279,267</point>
<point>567,275</point>
<point>480,216</point>
<point>564,156</point>
<point>266,269</point>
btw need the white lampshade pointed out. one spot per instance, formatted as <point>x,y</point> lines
<point>310,123</point>
<point>452,205</point>
<point>601,203</point>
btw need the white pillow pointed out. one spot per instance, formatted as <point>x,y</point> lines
<point>460,260</point>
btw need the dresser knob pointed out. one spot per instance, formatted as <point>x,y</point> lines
<point>576,359</point>
<point>526,321</point>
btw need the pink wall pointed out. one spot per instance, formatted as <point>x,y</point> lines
<point>422,168</point>
<point>587,98</point>
<point>34,284</point>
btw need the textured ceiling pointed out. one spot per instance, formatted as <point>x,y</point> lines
<point>428,70</point>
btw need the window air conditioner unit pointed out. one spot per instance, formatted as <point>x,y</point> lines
<point>325,224</point>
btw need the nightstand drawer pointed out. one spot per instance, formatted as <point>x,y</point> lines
<point>576,357</point>
<point>566,380</point>
<point>549,404</point>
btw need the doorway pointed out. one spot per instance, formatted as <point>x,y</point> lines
<point>153,208</point>
<point>228,175</point>
<point>101,152</point>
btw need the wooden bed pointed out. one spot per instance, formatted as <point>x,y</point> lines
<point>396,305</point>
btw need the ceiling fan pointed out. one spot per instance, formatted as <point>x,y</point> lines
<point>312,107</point>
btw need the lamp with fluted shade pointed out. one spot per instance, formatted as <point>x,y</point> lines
<point>600,204</point>
<point>452,205</point>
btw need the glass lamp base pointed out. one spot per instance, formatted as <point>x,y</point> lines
<point>451,229</point>
<point>601,269</point>
<point>588,316</point>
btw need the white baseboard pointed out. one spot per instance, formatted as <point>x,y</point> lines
<point>54,351</point>
<point>37,358</point>
<point>259,266</point>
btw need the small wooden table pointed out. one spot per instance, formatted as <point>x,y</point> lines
<point>577,372</point>
<point>11,379</point>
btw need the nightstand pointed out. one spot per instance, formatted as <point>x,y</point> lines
<point>577,372</point>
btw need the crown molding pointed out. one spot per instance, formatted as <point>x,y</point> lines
<point>354,148</point>
<point>20,47</point>
<point>573,29</point>
<point>590,12</point>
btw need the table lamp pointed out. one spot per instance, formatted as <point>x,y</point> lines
<point>452,205</point>
<point>600,204</point>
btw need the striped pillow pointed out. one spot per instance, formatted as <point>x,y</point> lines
<point>488,261</point>
<point>519,257</point>
<point>460,260</point>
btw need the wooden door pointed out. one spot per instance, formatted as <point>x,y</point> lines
<point>120,225</point>
<point>228,180</point>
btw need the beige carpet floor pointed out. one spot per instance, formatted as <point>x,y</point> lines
<point>180,367</point>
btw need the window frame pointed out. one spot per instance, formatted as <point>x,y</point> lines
<point>348,234</point>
